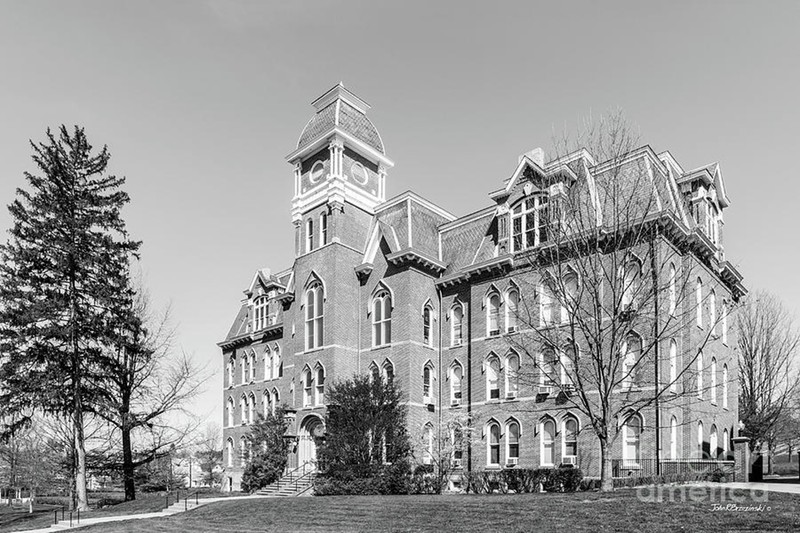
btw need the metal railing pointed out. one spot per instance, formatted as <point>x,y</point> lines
<point>666,467</point>
<point>73,516</point>
<point>293,477</point>
<point>186,498</point>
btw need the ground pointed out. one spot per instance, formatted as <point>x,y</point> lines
<point>624,510</point>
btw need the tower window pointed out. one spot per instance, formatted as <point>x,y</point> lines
<point>309,235</point>
<point>323,229</point>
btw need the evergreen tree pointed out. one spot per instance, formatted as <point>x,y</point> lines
<point>268,451</point>
<point>64,287</point>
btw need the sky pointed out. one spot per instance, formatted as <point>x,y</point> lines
<point>199,103</point>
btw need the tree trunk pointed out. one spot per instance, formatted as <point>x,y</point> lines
<point>606,481</point>
<point>127,459</point>
<point>80,457</point>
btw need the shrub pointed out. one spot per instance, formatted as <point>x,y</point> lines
<point>522,480</point>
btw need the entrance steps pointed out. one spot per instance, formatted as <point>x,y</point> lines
<point>297,482</point>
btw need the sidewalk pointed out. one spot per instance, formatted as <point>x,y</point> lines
<point>788,488</point>
<point>173,509</point>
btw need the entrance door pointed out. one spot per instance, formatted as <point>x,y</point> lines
<point>307,448</point>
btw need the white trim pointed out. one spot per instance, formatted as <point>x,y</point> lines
<point>414,197</point>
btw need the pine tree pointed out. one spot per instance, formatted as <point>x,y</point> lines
<point>63,287</point>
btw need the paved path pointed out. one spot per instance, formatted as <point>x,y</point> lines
<point>789,488</point>
<point>174,509</point>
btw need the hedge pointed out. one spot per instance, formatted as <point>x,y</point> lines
<point>523,480</point>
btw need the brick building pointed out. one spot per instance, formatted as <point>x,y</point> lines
<point>404,288</point>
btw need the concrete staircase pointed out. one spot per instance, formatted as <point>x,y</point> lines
<point>297,482</point>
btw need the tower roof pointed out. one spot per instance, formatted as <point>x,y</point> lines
<point>340,108</point>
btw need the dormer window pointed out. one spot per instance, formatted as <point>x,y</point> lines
<point>260,313</point>
<point>530,223</point>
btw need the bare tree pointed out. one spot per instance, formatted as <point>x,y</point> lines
<point>607,281</point>
<point>768,343</point>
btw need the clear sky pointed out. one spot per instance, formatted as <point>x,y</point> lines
<point>199,102</point>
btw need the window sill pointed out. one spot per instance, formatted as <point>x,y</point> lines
<point>381,347</point>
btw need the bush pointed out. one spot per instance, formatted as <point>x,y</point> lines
<point>522,480</point>
<point>395,478</point>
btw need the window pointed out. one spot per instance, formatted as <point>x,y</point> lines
<point>548,439</point>
<point>632,365</point>
<point>512,375</point>
<point>320,399</point>
<point>457,437</point>
<point>309,235</point>
<point>673,438</point>
<point>243,410</point>
<point>267,401</point>
<point>725,386</point>
<point>276,400</point>
<point>231,370</point>
<point>569,357</point>
<point>457,315</point>
<point>308,387</point>
<point>630,280</point>
<point>712,312</point>
<point>673,366</point>
<point>230,450</point>
<point>700,375</point>
<point>713,444</point>
<point>267,363</point>
<point>382,319</point>
<point>252,366</point>
<point>231,408</point>
<point>725,445</point>
<point>323,229</point>
<point>427,318</point>
<point>374,371</point>
<point>492,378</point>
<point>512,303</point>
<point>700,439</point>
<point>427,383</point>
<point>699,302</point>
<point>548,367</point>
<point>314,315</point>
<point>570,303</point>
<point>530,223</point>
<point>251,408</point>
<point>570,438</point>
<point>493,456</point>
<point>388,371</point>
<point>493,315</point>
<point>243,452</point>
<point>673,295</point>
<point>244,368</point>
<point>427,441</point>
<point>546,303</point>
<point>631,438</point>
<point>456,373</point>
<point>512,443</point>
<point>260,308</point>
<point>714,380</point>
<point>724,322</point>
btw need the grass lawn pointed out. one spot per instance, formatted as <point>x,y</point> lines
<point>619,511</point>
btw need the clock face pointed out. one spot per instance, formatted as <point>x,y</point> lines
<point>317,171</point>
<point>359,173</point>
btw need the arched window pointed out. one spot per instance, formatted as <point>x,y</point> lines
<point>725,386</point>
<point>700,439</point>
<point>570,436</point>
<point>231,370</point>
<point>673,438</point>
<point>493,450</point>
<point>700,375</point>
<point>548,367</point>
<point>243,452</point>
<point>314,315</point>
<point>492,378</point>
<point>455,383</point>
<point>714,380</point>
<point>570,303</point>
<point>320,399</point>
<point>512,305</point>
<point>493,314</point>
<point>725,448</point>
<point>512,442</point>
<point>252,366</point>
<point>277,368</point>
<point>699,302</point>
<point>673,366</point>
<point>427,441</point>
<point>457,438</point>
<point>276,400</point>
<point>427,326</point>
<point>630,280</point>
<point>308,387</point>
<point>229,449</point>
<point>512,375</point>
<point>548,440</point>
<point>530,222</point>
<point>382,319</point>
<point>309,235</point>
<point>724,319</point>
<point>631,438</point>
<point>374,372</point>
<point>569,356</point>
<point>231,412</point>
<point>713,444</point>
<point>251,408</point>
<point>244,368</point>
<point>673,293</point>
<point>632,364</point>
<point>547,302</point>
<point>427,383</point>
<point>323,229</point>
<point>243,409</point>
<point>267,363</point>
<point>266,400</point>
<point>457,315</point>
<point>260,308</point>
<point>388,371</point>
<point>712,312</point>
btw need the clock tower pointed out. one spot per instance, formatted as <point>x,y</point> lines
<point>339,165</point>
